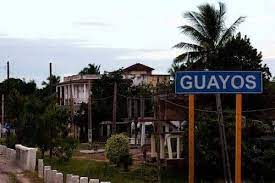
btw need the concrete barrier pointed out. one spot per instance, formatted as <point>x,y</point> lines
<point>53,176</point>
<point>59,178</point>
<point>69,178</point>
<point>75,179</point>
<point>3,149</point>
<point>10,154</point>
<point>84,180</point>
<point>45,172</point>
<point>40,168</point>
<point>94,181</point>
<point>26,157</point>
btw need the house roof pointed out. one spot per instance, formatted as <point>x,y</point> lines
<point>138,67</point>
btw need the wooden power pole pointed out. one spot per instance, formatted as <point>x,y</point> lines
<point>2,114</point>
<point>114,108</point>
<point>90,122</point>
<point>51,70</point>
<point>50,79</point>
<point>8,70</point>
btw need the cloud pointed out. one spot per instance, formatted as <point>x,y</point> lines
<point>157,54</point>
<point>29,58</point>
<point>3,35</point>
<point>270,62</point>
<point>92,24</point>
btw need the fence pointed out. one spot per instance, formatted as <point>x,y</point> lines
<point>25,158</point>
<point>53,176</point>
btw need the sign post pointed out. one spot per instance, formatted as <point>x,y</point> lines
<point>191,146</point>
<point>213,82</point>
<point>238,144</point>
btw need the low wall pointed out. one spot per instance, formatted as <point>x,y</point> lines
<point>53,176</point>
<point>25,157</point>
<point>10,154</point>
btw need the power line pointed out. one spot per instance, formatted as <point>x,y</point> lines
<point>136,98</point>
<point>104,98</point>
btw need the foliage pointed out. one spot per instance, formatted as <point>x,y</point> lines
<point>11,141</point>
<point>102,95</point>
<point>55,120</point>
<point>103,171</point>
<point>81,120</point>
<point>91,69</point>
<point>208,31</point>
<point>117,148</point>
<point>2,141</point>
<point>65,147</point>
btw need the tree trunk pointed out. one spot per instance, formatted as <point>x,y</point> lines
<point>223,141</point>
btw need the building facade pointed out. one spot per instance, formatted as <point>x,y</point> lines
<point>75,89</point>
<point>142,75</point>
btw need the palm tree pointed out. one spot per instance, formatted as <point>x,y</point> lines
<point>176,67</point>
<point>52,80</point>
<point>209,33</point>
<point>91,69</point>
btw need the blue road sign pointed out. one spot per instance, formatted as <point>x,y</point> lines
<point>195,82</point>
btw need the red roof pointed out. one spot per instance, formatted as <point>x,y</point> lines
<point>138,67</point>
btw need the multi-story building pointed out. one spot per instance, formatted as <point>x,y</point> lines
<point>142,74</point>
<point>75,88</point>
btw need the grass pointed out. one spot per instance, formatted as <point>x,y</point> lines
<point>12,178</point>
<point>33,177</point>
<point>103,171</point>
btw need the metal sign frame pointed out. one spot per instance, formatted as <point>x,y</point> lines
<point>238,128</point>
<point>225,92</point>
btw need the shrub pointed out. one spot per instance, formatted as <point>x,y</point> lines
<point>65,148</point>
<point>2,141</point>
<point>117,149</point>
<point>11,140</point>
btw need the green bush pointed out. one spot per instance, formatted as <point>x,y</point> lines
<point>11,140</point>
<point>65,148</point>
<point>117,149</point>
<point>2,141</point>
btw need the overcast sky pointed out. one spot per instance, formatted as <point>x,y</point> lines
<point>111,33</point>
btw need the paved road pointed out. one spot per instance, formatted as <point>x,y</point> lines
<point>8,167</point>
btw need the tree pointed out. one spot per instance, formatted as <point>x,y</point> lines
<point>103,91</point>
<point>54,126</point>
<point>81,118</point>
<point>91,69</point>
<point>49,86</point>
<point>239,54</point>
<point>52,80</point>
<point>208,31</point>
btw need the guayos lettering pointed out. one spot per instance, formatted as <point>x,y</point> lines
<point>218,82</point>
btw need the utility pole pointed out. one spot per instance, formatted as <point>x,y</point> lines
<point>129,106</point>
<point>141,108</point>
<point>90,122</point>
<point>223,141</point>
<point>135,118</point>
<point>8,70</point>
<point>51,69</point>
<point>2,114</point>
<point>50,79</point>
<point>72,107</point>
<point>114,108</point>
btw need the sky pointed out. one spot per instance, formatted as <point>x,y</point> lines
<point>113,34</point>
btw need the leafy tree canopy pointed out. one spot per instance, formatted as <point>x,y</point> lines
<point>90,69</point>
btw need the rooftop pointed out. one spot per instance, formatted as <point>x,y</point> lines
<point>138,67</point>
